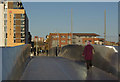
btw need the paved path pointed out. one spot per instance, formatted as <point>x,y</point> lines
<point>57,68</point>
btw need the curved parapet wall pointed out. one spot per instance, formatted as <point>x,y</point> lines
<point>52,51</point>
<point>119,62</point>
<point>105,58</point>
<point>73,52</point>
<point>13,61</point>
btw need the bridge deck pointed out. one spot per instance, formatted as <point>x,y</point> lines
<point>57,68</point>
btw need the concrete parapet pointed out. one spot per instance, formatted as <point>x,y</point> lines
<point>14,60</point>
<point>104,58</point>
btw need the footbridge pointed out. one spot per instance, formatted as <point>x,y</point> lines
<point>67,64</point>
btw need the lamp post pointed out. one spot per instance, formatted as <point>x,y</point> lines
<point>36,44</point>
<point>57,42</point>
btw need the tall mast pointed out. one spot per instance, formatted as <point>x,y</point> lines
<point>105,26</point>
<point>71,26</point>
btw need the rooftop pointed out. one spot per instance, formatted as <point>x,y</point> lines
<point>79,34</point>
<point>86,34</point>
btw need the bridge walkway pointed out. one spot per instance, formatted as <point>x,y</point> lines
<point>57,68</point>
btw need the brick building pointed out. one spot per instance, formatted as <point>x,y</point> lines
<point>59,39</point>
<point>62,39</point>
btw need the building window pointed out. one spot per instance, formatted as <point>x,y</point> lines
<point>14,41</point>
<point>63,36</point>
<point>5,16</point>
<point>22,16</point>
<point>22,35</point>
<point>62,45</point>
<point>22,41</point>
<point>14,22</point>
<point>90,41</point>
<point>6,6</point>
<point>14,16</point>
<point>14,31</point>
<point>55,36</point>
<point>22,22</point>
<point>5,28</point>
<point>15,5</point>
<point>63,41</point>
<point>90,36</point>
<point>14,35</point>
<point>69,37</point>
<point>5,22</point>
<point>6,35</point>
<point>69,42</point>
<point>14,28</point>
<point>22,29</point>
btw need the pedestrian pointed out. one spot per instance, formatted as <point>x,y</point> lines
<point>88,54</point>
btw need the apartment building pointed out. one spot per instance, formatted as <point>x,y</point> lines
<point>59,39</point>
<point>62,39</point>
<point>2,35</point>
<point>83,38</point>
<point>15,24</point>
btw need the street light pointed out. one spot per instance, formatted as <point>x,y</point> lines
<point>36,44</point>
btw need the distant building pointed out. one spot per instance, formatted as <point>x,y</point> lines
<point>62,39</point>
<point>39,39</point>
<point>83,38</point>
<point>59,39</point>
<point>35,39</point>
<point>2,34</point>
<point>111,43</point>
<point>39,42</point>
<point>15,24</point>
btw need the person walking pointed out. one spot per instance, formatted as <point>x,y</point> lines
<point>88,54</point>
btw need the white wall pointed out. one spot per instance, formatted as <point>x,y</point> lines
<point>77,39</point>
<point>0,64</point>
<point>2,25</point>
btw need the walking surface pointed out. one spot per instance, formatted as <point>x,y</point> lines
<point>57,68</point>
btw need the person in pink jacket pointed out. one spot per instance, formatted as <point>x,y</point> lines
<point>88,54</point>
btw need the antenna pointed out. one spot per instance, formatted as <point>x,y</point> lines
<point>105,26</point>
<point>71,26</point>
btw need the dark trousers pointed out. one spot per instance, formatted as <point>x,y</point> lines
<point>89,63</point>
